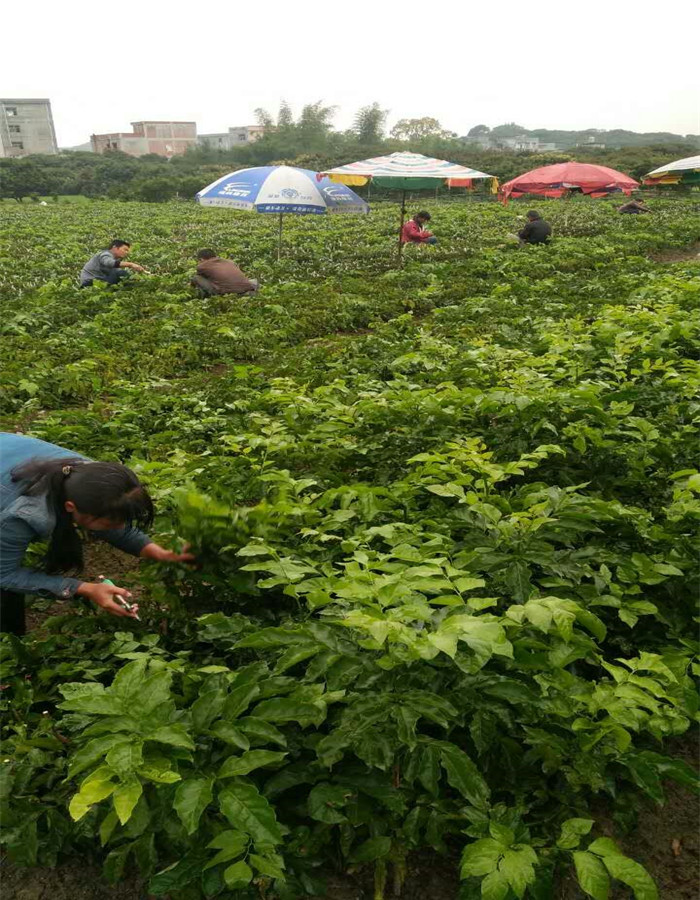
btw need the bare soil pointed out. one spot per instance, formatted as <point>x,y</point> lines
<point>689,254</point>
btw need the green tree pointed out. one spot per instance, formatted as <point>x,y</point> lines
<point>314,125</point>
<point>21,177</point>
<point>285,116</point>
<point>369,124</point>
<point>156,190</point>
<point>263,117</point>
<point>417,129</point>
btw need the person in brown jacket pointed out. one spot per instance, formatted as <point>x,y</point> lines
<point>217,276</point>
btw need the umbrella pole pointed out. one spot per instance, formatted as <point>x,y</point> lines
<point>279,238</point>
<point>403,216</point>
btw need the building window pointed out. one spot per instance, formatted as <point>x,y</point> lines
<point>18,145</point>
<point>10,110</point>
<point>14,128</point>
<point>241,135</point>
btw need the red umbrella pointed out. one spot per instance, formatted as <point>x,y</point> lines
<point>556,180</point>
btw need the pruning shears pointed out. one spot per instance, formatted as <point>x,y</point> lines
<point>119,599</point>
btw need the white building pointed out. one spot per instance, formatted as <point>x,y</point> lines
<point>234,137</point>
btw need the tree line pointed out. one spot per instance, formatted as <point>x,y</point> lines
<point>308,140</point>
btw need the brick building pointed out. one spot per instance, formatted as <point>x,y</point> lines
<point>26,126</point>
<point>164,138</point>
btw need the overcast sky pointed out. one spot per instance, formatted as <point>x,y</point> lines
<point>542,64</point>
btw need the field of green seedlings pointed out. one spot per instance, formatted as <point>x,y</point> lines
<point>446,522</point>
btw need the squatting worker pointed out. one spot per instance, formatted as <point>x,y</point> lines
<point>45,493</point>
<point>414,232</point>
<point>109,265</point>
<point>537,231</point>
<point>634,207</point>
<point>217,276</point>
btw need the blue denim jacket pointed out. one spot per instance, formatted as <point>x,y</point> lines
<point>27,519</point>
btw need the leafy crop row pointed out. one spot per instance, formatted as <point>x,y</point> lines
<point>446,519</point>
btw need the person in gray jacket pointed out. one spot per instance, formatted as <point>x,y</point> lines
<point>109,265</point>
<point>45,492</point>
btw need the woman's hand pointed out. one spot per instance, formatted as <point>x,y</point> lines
<point>160,554</point>
<point>103,595</point>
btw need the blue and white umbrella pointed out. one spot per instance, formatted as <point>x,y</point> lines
<point>281,189</point>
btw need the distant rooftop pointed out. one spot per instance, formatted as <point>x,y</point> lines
<point>162,122</point>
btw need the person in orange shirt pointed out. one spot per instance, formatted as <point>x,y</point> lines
<point>414,231</point>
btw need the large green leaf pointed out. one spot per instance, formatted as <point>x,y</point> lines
<point>230,734</point>
<point>633,875</point>
<point>371,849</point>
<point>239,700</point>
<point>295,655</point>
<point>518,867</point>
<point>271,865</point>
<point>481,857</point>
<point>92,699</point>
<point>174,735</point>
<point>247,810</point>
<point>145,854</point>
<point>247,762</point>
<point>93,751</point>
<point>429,767</point>
<point>464,775</point>
<point>125,798</point>
<point>114,864</point>
<point>572,831</point>
<point>191,799</point>
<point>604,846</point>
<point>107,826</point>
<point>206,708</point>
<point>91,791</point>
<point>239,875</point>
<point>179,874</point>
<point>152,693</point>
<point>591,874</point>
<point>230,844</point>
<point>157,768</point>
<point>261,732</point>
<point>284,710</point>
<point>326,801</point>
<point>494,886</point>
<point>128,679</point>
<point>125,758</point>
<point>376,749</point>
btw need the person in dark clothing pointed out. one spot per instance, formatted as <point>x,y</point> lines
<point>633,207</point>
<point>45,492</point>
<point>218,277</point>
<point>109,265</point>
<point>537,231</point>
